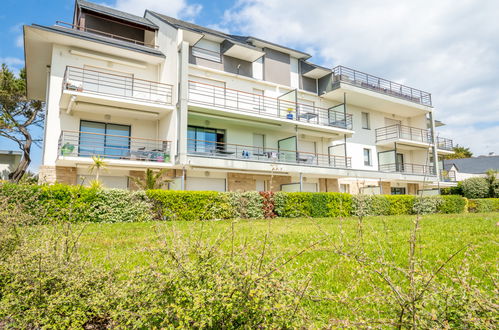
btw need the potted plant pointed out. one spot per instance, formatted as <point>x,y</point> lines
<point>67,149</point>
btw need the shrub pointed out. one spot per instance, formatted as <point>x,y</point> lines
<point>475,188</point>
<point>483,205</point>
<point>452,204</point>
<point>247,205</point>
<point>192,205</point>
<point>426,204</point>
<point>457,190</point>
<point>76,204</point>
<point>306,204</point>
<point>268,204</point>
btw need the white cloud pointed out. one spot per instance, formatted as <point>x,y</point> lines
<point>176,8</point>
<point>18,30</point>
<point>446,47</point>
<point>12,61</point>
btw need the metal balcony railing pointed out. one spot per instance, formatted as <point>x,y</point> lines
<point>103,33</point>
<point>445,144</point>
<point>403,132</point>
<point>210,95</point>
<point>448,176</point>
<point>380,85</point>
<point>408,168</point>
<point>128,87</point>
<point>268,155</point>
<point>87,144</point>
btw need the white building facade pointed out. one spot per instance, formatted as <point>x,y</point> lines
<point>220,112</point>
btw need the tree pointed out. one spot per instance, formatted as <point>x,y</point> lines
<point>152,180</point>
<point>98,165</point>
<point>492,181</point>
<point>460,152</point>
<point>17,116</point>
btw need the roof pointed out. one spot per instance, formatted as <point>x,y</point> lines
<point>101,39</point>
<point>243,40</point>
<point>115,13</point>
<point>474,165</point>
<point>10,152</point>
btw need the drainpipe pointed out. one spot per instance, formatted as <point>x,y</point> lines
<point>182,180</point>
<point>301,182</point>
<point>434,148</point>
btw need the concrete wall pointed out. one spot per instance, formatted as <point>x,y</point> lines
<point>277,67</point>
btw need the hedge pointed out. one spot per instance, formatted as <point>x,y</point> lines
<point>483,205</point>
<point>77,204</point>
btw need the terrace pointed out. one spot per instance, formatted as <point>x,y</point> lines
<point>112,147</point>
<point>283,108</point>
<point>231,151</point>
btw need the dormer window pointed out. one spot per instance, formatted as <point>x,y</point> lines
<point>207,49</point>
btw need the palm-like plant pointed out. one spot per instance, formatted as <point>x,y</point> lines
<point>98,165</point>
<point>151,180</point>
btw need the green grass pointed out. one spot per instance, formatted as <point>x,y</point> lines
<point>125,246</point>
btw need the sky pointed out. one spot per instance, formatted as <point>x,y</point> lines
<point>449,48</point>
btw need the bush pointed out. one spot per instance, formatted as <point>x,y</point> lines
<point>192,205</point>
<point>77,204</point>
<point>483,205</point>
<point>426,204</point>
<point>475,188</point>
<point>452,204</point>
<point>457,190</point>
<point>247,205</point>
<point>306,204</point>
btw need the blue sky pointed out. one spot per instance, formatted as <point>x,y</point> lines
<point>445,47</point>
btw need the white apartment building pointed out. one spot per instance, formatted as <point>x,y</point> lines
<point>221,112</point>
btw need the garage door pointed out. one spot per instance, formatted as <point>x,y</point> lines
<point>204,184</point>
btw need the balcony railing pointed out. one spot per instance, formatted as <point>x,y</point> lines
<point>268,155</point>
<point>87,144</point>
<point>103,33</point>
<point>210,95</point>
<point>448,176</point>
<point>403,132</point>
<point>380,85</point>
<point>128,87</point>
<point>408,168</point>
<point>445,144</point>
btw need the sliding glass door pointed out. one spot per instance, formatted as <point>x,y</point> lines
<point>287,149</point>
<point>102,139</point>
<point>205,140</point>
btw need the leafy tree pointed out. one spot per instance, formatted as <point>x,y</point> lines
<point>151,180</point>
<point>492,181</point>
<point>17,116</point>
<point>460,152</point>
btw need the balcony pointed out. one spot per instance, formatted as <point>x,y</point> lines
<point>407,168</point>
<point>445,146</point>
<point>284,109</point>
<point>230,151</point>
<point>116,149</point>
<point>105,34</point>
<point>404,134</point>
<point>92,86</point>
<point>448,176</point>
<point>368,91</point>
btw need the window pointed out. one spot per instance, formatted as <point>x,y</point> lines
<point>205,140</point>
<point>366,123</point>
<point>398,191</point>
<point>345,188</point>
<point>106,140</point>
<point>367,157</point>
<point>207,49</point>
<point>259,143</point>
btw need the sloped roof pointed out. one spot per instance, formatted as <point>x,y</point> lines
<point>244,40</point>
<point>474,165</point>
<point>116,13</point>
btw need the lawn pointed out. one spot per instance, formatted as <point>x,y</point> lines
<point>340,262</point>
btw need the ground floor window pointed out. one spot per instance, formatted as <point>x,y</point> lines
<point>398,191</point>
